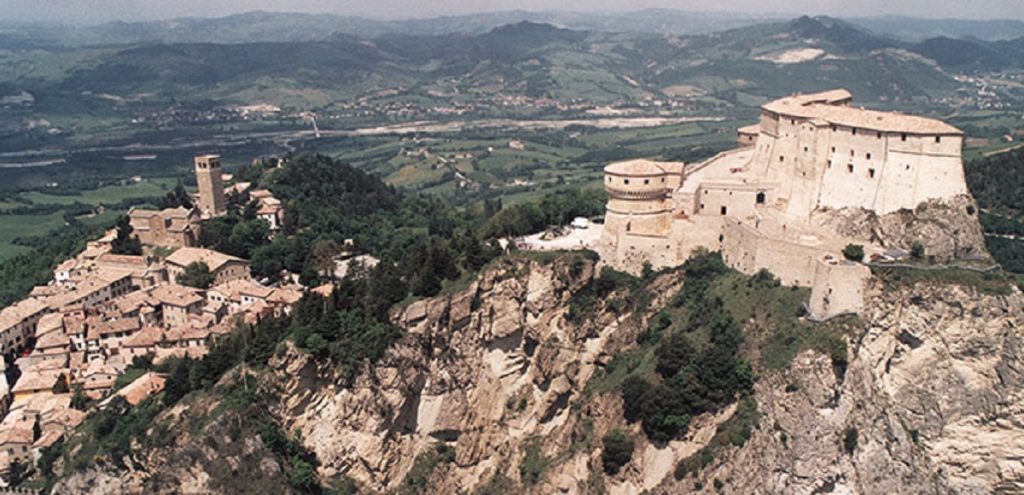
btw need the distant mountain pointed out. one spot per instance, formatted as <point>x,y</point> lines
<point>917,29</point>
<point>964,54</point>
<point>266,26</point>
<point>743,65</point>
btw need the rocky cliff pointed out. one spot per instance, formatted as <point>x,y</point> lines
<point>946,228</point>
<point>494,389</point>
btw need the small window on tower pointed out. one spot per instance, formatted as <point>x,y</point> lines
<point>625,181</point>
<point>854,131</point>
<point>903,137</point>
<point>851,153</point>
<point>869,156</point>
<point>938,139</point>
<point>833,128</point>
<point>849,168</point>
<point>724,210</point>
<point>647,181</point>
<point>782,158</point>
<point>871,173</point>
<point>830,164</point>
<point>879,135</point>
<point>833,149</point>
<point>805,149</point>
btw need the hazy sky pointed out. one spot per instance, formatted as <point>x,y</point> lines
<point>92,11</point>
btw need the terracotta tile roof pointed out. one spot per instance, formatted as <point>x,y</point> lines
<point>143,387</point>
<point>20,311</point>
<point>176,295</point>
<point>112,327</point>
<point>48,439</point>
<point>823,106</point>
<point>235,289</point>
<point>188,255</point>
<point>287,295</point>
<point>50,340</point>
<point>639,167</point>
<point>35,382</point>
<point>17,434</point>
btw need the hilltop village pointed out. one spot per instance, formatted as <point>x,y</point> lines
<point>104,314</point>
<point>768,204</point>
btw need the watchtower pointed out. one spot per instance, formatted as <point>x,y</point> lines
<point>211,186</point>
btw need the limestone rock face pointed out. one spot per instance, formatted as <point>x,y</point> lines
<point>482,370</point>
<point>931,402</point>
<point>934,393</point>
<point>946,228</point>
<point>189,456</point>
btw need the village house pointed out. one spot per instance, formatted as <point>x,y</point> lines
<point>91,289</point>
<point>238,293</point>
<point>145,271</point>
<point>224,268</point>
<point>268,208</point>
<point>173,227</point>
<point>18,323</point>
<point>177,303</point>
<point>32,382</point>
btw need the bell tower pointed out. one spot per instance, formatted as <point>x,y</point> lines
<point>211,186</point>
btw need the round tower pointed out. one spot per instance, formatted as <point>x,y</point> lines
<point>639,199</point>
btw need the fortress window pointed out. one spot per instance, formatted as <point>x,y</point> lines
<point>647,181</point>
<point>849,168</point>
<point>830,164</point>
<point>702,206</point>
<point>792,121</point>
<point>854,131</point>
<point>851,153</point>
<point>903,137</point>
<point>879,135</point>
<point>938,139</point>
<point>724,210</point>
<point>833,128</point>
<point>625,181</point>
<point>833,149</point>
<point>869,156</point>
<point>805,149</point>
<point>663,180</point>
<point>871,173</point>
<point>782,158</point>
<point>760,198</point>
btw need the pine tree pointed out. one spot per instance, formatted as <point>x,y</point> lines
<point>124,243</point>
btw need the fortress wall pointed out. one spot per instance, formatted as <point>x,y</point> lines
<point>747,251</point>
<point>838,288</point>
<point>632,251</point>
<point>657,224</point>
<point>739,199</point>
<point>949,145</point>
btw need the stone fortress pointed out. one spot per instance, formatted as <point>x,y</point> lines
<point>767,204</point>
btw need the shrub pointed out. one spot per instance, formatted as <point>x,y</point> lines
<point>917,250</point>
<point>618,450</point>
<point>854,252</point>
<point>534,464</point>
<point>850,440</point>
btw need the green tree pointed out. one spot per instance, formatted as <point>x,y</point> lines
<point>125,243</point>
<point>618,450</point>
<point>61,385</point>
<point>177,197</point>
<point>79,400</point>
<point>854,252</point>
<point>917,250</point>
<point>197,274</point>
